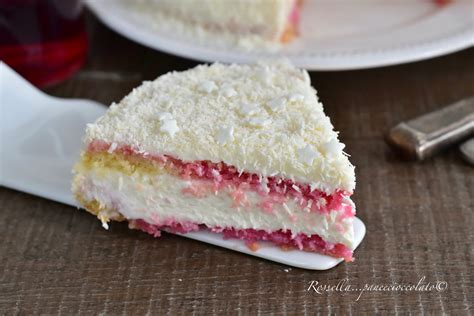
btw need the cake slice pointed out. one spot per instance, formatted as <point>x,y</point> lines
<point>250,24</point>
<point>243,20</point>
<point>243,150</point>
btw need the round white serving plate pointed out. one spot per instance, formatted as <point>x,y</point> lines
<point>335,34</point>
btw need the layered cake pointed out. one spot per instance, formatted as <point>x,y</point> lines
<point>245,22</point>
<point>242,150</point>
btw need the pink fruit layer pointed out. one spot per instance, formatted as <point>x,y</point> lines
<point>284,239</point>
<point>272,190</point>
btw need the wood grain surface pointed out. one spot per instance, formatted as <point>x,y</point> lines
<point>55,259</point>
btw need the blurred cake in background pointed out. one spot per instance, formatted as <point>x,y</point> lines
<point>247,23</point>
<point>250,25</point>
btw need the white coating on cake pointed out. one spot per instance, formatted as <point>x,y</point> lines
<point>248,24</point>
<point>296,141</point>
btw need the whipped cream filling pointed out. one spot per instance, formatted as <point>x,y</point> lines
<point>165,197</point>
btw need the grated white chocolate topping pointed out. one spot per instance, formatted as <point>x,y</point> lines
<point>225,135</point>
<point>296,142</point>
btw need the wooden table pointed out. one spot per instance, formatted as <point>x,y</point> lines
<point>419,216</point>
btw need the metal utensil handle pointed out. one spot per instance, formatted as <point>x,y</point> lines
<point>424,136</point>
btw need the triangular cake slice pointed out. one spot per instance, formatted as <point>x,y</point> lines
<point>245,150</point>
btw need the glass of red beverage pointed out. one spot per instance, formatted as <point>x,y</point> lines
<point>44,40</point>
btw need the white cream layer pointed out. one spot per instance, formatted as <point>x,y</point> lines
<point>160,198</point>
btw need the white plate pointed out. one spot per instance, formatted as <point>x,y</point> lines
<point>335,34</point>
<point>40,139</point>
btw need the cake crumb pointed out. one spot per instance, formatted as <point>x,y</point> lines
<point>285,248</point>
<point>253,246</point>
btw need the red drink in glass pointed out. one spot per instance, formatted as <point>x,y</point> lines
<point>44,40</point>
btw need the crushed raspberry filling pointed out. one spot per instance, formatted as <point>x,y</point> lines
<point>273,190</point>
<point>284,239</point>
<point>294,17</point>
<point>442,2</point>
<point>313,243</point>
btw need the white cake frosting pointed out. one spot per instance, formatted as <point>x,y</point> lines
<point>273,125</point>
